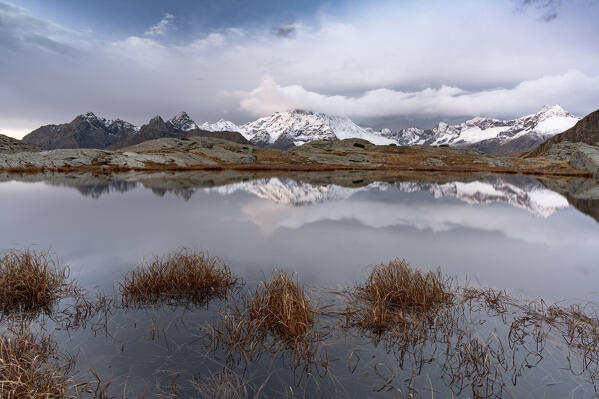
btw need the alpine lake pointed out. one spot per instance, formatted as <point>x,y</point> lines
<point>521,256</point>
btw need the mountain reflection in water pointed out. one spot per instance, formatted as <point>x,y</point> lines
<point>521,192</point>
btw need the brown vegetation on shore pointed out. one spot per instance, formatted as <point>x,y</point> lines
<point>182,277</point>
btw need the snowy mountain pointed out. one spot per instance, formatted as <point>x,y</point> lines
<point>285,129</point>
<point>183,122</point>
<point>485,133</point>
<point>296,127</point>
<point>220,126</point>
<point>528,194</point>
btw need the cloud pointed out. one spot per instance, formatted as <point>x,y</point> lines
<point>20,31</point>
<point>211,41</point>
<point>162,27</point>
<point>573,87</point>
<point>284,31</point>
<point>386,59</point>
<point>548,8</point>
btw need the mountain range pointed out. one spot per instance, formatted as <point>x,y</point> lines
<point>291,128</point>
<point>90,131</point>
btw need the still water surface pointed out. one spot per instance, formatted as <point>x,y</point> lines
<point>505,233</point>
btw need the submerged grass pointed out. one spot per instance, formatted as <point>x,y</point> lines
<point>396,294</point>
<point>278,308</point>
<point>281,307</point>
<point>181,277</point>
<point>32,281</point>
<point>31,366</point>
<point>419,316</point>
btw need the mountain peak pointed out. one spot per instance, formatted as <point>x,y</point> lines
<point>92,119</point>
<point>89,115</point>
<point>550,111</point>
<point>300,126</point>
<point>182,121</point>
<point>557,109</point>
<point>220,126</point>
<point>299,111</point>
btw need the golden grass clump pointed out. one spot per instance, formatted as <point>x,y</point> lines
<point>30,365</point>
<point>393,293</point>
<point>31,281</point>
<point>181,277</point>
<point>281,307</point>
<point>278,308</point>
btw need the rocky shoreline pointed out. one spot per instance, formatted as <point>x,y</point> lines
<point>205,153</point>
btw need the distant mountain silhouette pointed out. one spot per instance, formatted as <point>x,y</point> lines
<point>85,131</point>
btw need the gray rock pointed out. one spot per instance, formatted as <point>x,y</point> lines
<point>581,155</point>
<point>435,162</point>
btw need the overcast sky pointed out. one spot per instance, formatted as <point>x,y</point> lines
<point>378,62</point>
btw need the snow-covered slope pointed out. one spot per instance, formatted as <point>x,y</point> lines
<point>183,122</point>
<point>221,126</point>
<point>548,121</point>
<point>299,127</point>
<point>296,127</point>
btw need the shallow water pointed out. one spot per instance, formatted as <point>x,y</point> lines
<point>506,233</point>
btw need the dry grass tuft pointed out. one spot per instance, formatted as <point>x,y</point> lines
<point>30,365</point>
<point>181,277</point>
<point>394,294</point>
<point>278,308</point>
<point>31,281</point>
<point>281,307</point>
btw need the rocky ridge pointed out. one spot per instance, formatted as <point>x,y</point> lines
<point>85,131</point>
<point>9,145</point>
